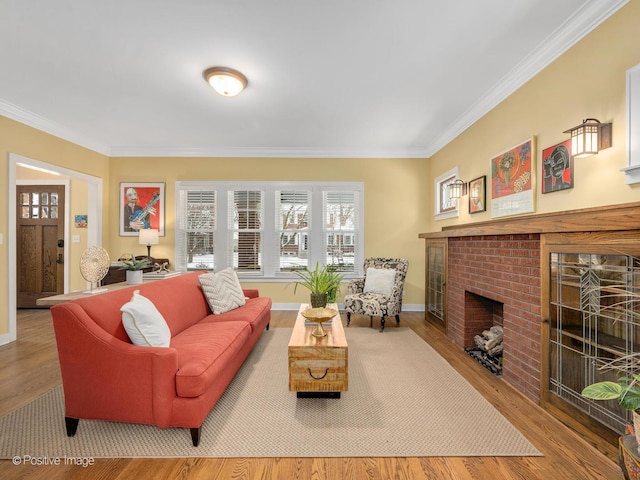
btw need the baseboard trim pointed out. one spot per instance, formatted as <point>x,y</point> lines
<point>415,307</point>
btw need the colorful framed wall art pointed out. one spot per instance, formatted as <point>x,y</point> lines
<point>512,180</point>
<point>141,206</point>
<point>557,167</point>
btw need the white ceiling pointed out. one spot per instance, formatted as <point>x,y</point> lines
<point>327,78</point>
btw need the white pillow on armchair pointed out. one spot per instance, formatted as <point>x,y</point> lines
<point>379,280</point>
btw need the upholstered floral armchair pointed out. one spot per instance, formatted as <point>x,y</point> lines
<point>379,293</point>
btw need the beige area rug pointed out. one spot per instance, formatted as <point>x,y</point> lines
<point>404,400</point>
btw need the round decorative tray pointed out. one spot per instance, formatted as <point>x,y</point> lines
<point>319,315</point>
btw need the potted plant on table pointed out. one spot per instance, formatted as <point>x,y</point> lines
<point>323,283</point>
<point>134,269</point>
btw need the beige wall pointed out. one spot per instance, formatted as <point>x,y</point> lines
<point>589,80</point>
<point>31,143</point>
<point>394,203</point>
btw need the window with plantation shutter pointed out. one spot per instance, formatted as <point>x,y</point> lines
<point>341,228</point>
<point>267,230</point>
<point>245,230</point>
<point>293,217</point>
<point>196,230</point>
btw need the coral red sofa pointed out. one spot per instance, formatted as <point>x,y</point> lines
<point>106,377</point>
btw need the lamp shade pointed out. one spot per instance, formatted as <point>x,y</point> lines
<point>226,81</point>
<point>149,236</point>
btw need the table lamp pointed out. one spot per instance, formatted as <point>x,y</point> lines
<point>148,237</point>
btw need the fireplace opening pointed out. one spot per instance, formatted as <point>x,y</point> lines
<point>483,331</point>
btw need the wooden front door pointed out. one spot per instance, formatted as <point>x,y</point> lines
<point>40,242</point>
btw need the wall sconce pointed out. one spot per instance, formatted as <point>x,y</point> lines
<point>589,137</point>
<point>148,237</point>
<point>457,189</point>
<point>226,81</point>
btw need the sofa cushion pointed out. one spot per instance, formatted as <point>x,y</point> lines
<point>204,350</point>
<point>379,280</point>
<point>256,312</point>
<point>223,290</point>
<point>144,324</point>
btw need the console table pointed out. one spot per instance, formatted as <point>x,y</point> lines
<point>117,275</point>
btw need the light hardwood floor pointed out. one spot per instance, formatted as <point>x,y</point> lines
<point>30,368</point>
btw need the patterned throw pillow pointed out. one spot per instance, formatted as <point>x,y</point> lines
<point>144,324</point>
<point>379,280</point>
<point>223,290</point>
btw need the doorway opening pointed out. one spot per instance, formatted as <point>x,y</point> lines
<point>94,230</point>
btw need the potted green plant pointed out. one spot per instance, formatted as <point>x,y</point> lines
<point>323,283</point>
<point>134,269</point>
<point>626,390</point>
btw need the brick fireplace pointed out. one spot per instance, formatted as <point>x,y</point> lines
<point>496,269</point>
<point>495,276</point>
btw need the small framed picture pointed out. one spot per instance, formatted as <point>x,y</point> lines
<point>141,206</point>
<point>81,221</point>
<point>478,194</point>
<point>557,167</point>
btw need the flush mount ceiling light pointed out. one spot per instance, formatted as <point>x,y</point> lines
<point>226,81</point>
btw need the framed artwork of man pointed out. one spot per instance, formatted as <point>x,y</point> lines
<point>141,206</point>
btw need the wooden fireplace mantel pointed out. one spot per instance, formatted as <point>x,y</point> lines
<point>595,219</point>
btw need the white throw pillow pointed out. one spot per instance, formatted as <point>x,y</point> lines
<point>144,324</point>
<point>223,290</point>
<point>379,280</point>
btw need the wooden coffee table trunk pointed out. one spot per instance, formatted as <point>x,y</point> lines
<point>318,366</point>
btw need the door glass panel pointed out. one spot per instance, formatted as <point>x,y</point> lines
<point>435,281</point>
<point>35,199</point>
<point>24,199</point>
<point>54,198</point>
<point>44,200</point>
<point>44,212</point>
<point>24,212</point>
<point>54,212</point>
<point>34,212</point>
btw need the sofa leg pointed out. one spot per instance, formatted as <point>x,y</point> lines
<point>195,436</point>
<point>268,326</point>
<point>72,425</point>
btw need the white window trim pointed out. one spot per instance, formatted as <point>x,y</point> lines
<point>454,172</point>
<point>316,235</point>
<point>632,171</point>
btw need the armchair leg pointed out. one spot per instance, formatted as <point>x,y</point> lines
<point>348,318</point>
<point>371,321</point>
<point>195,436</point>
<point>397,320</point>
<point>72,425</point>
<point>382,324</point>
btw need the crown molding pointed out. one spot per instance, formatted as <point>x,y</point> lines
<point>40,123</point>
<point>568,34</point>
<point>564,37</point>
<point>268,152</point>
